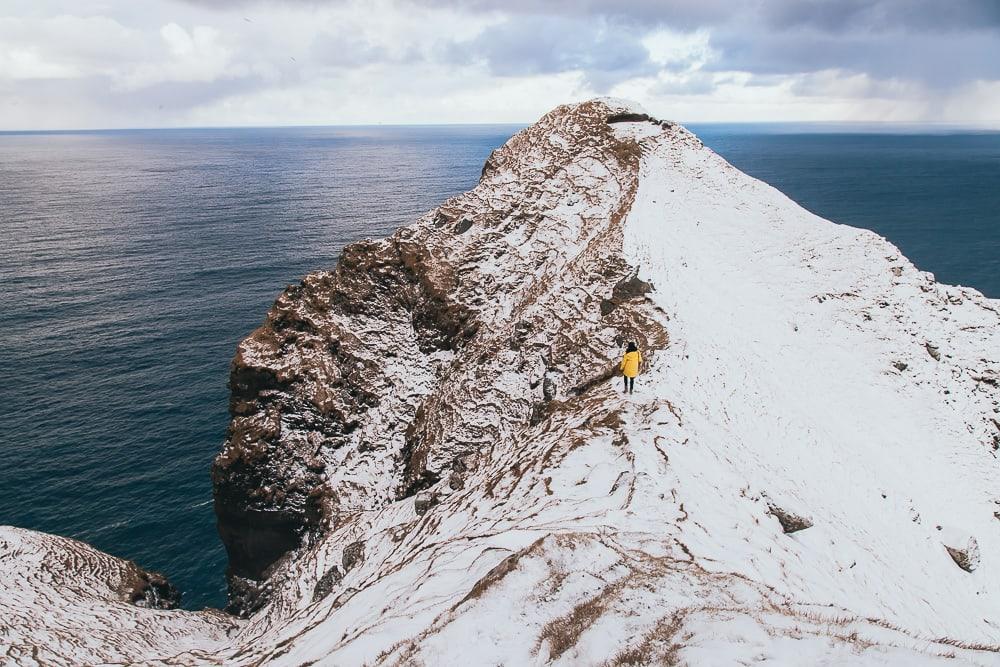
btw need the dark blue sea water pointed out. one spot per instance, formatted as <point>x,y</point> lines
<point>132,262</point>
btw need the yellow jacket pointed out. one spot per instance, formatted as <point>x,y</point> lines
<point>630,364</point>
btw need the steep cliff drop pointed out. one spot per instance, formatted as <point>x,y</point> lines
<point>430,460</point>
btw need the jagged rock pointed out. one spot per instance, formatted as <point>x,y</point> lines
<point>631,289</point>
<point>327,583</point>
<point>424,502</point>
<point>304,383</point>
<point>491,165</point>
<point>354,554</point>
<point>521,332</point>
<point>962,547</point>
<point>549,387</point>
<point>790,522</point>
<point>987,379</point>
<point>625,290</point>
<point>65,603</point>
<point>900,366</point>
<point>152,590</point>
<point>967,558</point>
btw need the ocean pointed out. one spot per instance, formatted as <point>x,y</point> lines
<point>132,262</point>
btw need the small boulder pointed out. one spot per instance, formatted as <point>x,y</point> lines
<point>790,522</point>
<point>625,290</point>
<point>354,554</point>
<point>424,501</point>
<point>961,546</point>
<point>326,583</point>
<point>549,387</point>
<point>153,591</point>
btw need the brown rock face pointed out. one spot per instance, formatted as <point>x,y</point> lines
<point>152,590</point>
<point>790,522</point>
<point>348,396</point>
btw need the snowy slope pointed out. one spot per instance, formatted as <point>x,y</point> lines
<point>509,505</point>
<point>641,527</point>
<point>63,602</point>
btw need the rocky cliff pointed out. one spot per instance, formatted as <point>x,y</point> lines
<point>430,460</point>
<point>392,374</point>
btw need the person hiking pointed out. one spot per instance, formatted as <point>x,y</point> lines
<point>630,366</point>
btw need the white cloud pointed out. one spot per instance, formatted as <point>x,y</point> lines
<point>679,50</point>
<point>188,56</point>
<point>18,64</point>
<point>62,46</point>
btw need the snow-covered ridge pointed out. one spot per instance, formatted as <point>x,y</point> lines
<point>430,461</point>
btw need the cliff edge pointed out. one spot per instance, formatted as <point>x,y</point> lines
<point>397,371</point>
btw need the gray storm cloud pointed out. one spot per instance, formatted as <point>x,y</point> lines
<point>522,46</point>
<point>941,44</point>
<point>832,15</point>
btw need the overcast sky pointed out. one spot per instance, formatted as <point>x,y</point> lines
<point>163,63</point>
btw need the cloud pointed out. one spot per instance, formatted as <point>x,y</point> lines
<point>347,51</point>
<point>523,46</point>
<point>941,60</point>
<point>943,46</point>
<point>828,15</point>
<point>883,15</point>
<point>105,62</point>
<point>62,46</point>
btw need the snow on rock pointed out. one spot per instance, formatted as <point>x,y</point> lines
<point>961,546</point>
<point>65,603</point>
<point>431,461</point>
<point>590,527</point>
<point>419,353</point>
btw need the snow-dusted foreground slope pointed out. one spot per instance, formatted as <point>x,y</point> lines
<point>806,473</point>
<point>63,602</point>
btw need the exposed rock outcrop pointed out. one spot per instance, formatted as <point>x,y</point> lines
<point>790,522</point>
<point>961,546</point>
<point>152,590</point>
<point>355,390</point>
<point>494,427</point>
<point>354,554</point>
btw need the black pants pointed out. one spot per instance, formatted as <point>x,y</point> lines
<point>629,383</point>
